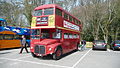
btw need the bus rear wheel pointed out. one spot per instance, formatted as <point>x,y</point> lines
<point>58,53</point>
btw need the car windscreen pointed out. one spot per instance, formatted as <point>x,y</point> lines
<point>99,42</point>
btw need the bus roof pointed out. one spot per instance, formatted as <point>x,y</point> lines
<point>54,5</point>
<point>17,30</point>
<point>1,19</point>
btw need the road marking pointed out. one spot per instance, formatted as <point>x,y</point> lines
<point>35,62</point>
<point>81,58</point>
<point>116,52</point>
<point>108,50</point>
<point>14,63</point>
<point>24,57</point>
<point>1,62</point>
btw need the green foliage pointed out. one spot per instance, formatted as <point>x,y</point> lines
<point>100,18</point>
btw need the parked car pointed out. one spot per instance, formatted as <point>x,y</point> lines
<point>115,45</point>
<point>99,44</point>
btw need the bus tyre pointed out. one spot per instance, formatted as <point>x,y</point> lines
<point>58,53</point>
<point>33,54</point>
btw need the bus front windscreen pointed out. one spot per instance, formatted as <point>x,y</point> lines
<point>35,34</point>
<point>48,11</point>
<point>37,13</point>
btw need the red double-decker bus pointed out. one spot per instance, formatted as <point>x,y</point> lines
<point>53,31</point>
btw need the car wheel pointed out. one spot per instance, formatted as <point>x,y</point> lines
<point>106,49</point>
<point>110,48</point>
<point>113,48</point>
<point>93,48</point>
<point>58,53</point>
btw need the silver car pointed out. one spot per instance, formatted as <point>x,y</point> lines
<point>99,44</point>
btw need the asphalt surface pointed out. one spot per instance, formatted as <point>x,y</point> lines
<point>79,59</point>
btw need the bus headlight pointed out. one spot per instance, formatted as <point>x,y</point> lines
<point>31,47</point>
<point>50,49</point>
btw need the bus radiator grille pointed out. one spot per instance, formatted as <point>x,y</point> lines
<point>39,49</point>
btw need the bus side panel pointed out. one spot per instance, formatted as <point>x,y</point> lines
<point>33,43</point>
<point>53,46</point>
<point>9,44</point>
<point>58,21</point>
<point>74,43</point>
<point>67,45</point>
<point>70,44</point>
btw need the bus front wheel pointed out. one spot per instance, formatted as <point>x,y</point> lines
<point>58,53</point>
<point>33,54</point>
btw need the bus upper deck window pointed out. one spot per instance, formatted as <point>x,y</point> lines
<point>37,13</point>
<point>58,12</point>
<point>48,11</point>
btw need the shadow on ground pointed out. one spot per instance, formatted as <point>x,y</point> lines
<point>4,53</point>
<point>49,57</point>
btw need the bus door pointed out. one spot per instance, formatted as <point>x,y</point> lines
<point>73,41</point>
<point>35,36</point>
<point>58,34</point>
<point>67,42</point>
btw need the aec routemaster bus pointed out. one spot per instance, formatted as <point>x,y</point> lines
<point>10,36</point>
<point>53,31</point>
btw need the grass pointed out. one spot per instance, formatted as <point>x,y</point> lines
<point>89,44</point>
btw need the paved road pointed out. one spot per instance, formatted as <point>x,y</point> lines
<point>79,59</point>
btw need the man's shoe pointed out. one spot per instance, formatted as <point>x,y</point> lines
<point>28,52</point>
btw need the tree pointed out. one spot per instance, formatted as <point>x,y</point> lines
<point>29,5</point>
<point>9,11</point>
<point>97,16</point>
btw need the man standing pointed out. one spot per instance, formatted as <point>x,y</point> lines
<point>83,47</point>
<point>23,44</point>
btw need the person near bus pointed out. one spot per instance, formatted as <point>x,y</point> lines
<point>83,43</point>
<point>23,44</point>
